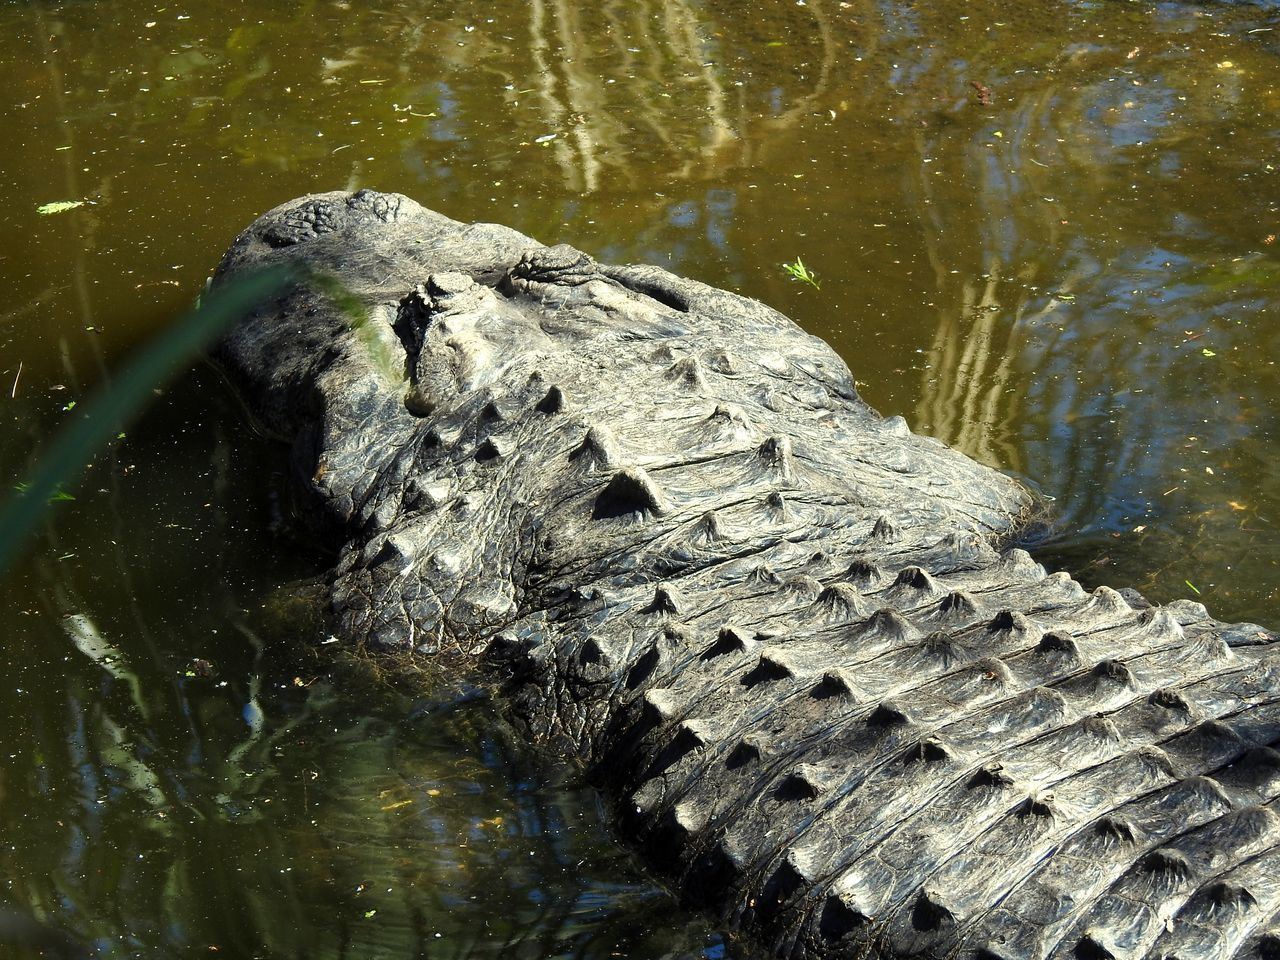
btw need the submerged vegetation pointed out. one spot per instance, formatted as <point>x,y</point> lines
<point>121,399</point>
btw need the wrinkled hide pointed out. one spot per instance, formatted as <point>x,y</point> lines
<point>785,634</point>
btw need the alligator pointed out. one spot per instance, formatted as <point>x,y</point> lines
<point>796,645</point>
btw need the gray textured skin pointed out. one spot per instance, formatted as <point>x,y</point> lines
<point>781,630</point>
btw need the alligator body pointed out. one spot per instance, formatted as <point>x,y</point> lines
<point>787,636</point>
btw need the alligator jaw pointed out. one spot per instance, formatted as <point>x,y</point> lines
<point>784,632</point>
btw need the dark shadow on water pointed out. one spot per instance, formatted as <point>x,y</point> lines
<point>203,779</point>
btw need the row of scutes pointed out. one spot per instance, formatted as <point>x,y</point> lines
<point>690,830</point>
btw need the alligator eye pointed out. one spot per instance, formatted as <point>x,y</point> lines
<point>442,297</point>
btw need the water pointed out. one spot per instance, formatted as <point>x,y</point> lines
<point>1044,232</point>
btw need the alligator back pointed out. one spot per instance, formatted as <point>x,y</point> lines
<point>786,635</point>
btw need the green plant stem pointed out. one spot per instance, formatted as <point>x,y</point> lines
<point>75,446</point>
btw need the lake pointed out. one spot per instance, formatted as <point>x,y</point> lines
<point>1044,232</point>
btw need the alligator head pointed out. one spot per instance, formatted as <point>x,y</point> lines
<point>786,633</point>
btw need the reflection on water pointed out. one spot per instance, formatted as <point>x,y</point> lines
<point>1045,232</point>
<point>175,783</point>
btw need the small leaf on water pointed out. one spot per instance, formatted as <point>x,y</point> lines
<point>798,271</point>
<point>1208,353</point>
<point>370,914</point>
<point>1192,586</point>
<point>58,206</point>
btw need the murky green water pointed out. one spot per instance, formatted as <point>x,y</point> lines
<point>1044,232</point>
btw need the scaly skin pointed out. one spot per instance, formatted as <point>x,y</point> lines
<point>783,632</point>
